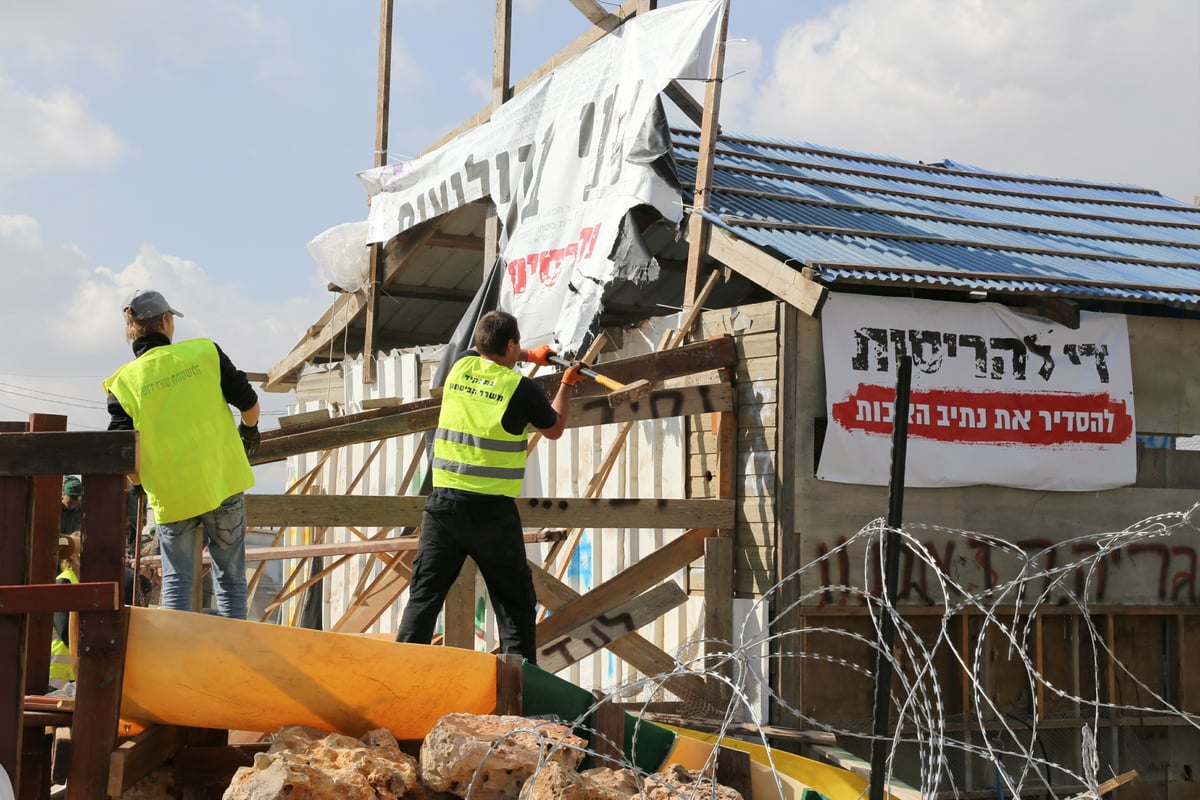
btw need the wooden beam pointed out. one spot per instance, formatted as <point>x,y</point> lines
<point>501,92</point>
<point>102,637</point>
<point>141,755</point>
<point>102,596</point>
<point>16,494</point>
<point>384,423</point>
<point>346,308</point>
<point>455,242</point>
<point>294,511</point>
<point>606,626</point>
<point>698,227</point>
<point>582,42</point>
<point>592,10</point>
<point>785,282</point>
<point>60,453</point>
<point>642,654</point>
<point>375,261</point>
<point>43,557</point>
<point>627,584</point>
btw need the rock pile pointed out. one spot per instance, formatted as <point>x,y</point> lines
<point>467,756</point>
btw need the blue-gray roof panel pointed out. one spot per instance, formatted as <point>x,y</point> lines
<point>868,218</point>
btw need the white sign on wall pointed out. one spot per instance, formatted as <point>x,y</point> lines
<point>997,397</point>
<point>556,161</point>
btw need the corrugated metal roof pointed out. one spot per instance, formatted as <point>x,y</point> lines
<point>852,217</point>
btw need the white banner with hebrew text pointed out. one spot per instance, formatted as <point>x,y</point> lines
<point>997,397</point>
<point>561,163</point>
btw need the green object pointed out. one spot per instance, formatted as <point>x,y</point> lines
<point>72,486</point>
<point>543,694</point>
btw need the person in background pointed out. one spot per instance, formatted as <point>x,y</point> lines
<point>194,458</point>
<point>70,516</point>
<point>478,466</point>
<point>62,670</point>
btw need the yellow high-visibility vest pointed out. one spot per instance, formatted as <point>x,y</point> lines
<point>471,449</point>
<point>60,653</point>
<point>191,457</point>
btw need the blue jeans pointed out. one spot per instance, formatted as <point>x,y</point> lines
<point>225,537</point>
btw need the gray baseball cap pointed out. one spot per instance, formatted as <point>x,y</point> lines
<point>147,303</point>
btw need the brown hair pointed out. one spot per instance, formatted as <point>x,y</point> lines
<point>137,328</point>
<point>494,331</point>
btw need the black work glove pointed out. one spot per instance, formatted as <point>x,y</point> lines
<point>250,438</point>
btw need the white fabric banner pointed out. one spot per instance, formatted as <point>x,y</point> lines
<point>556,161</point>
<point>997,397</point>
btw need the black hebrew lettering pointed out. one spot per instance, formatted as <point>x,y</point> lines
<point>926,349</point>
<point>531,194</point>
<point>1017,348</point>
<point>1099,352</point>
<point>976,343</point>
<point>870,343</point>
<point>479,172</point>
<point>1042,350</point>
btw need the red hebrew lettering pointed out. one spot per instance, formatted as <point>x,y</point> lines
<point>1164,555</point>
<point>1030,419</point>
<point>1185,577</point>
<point>551,266</point>
<point>516,275</point>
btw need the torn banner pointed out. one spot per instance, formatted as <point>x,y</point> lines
<point>997,397</point>
<point>556,161</point>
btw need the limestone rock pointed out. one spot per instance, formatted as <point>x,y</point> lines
<point>299,766</point>
<point>504,750</point>
<point>677,781</point>
<point>556,782</point>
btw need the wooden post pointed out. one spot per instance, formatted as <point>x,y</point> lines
<point>509,684</point>
<point>608,742</point>
<point>501,78</point>
<point>102,636</point>
<point>43,559</point>
<point>382,103</point>
<point>460,609</point>
<point>15,496</point>
<point>698,229</point>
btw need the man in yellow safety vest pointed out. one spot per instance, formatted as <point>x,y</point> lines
<point>478,466</point>
<point>194,459</point>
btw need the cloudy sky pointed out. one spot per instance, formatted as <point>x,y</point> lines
<point>197,147</point>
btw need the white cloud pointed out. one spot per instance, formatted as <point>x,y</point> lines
<point>74,331</point>
<point>49,132</point>
<point>70,33</point>
<point>1099,89</point>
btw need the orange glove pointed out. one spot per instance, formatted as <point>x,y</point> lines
<point>538,355</point>
<point>573,376</point>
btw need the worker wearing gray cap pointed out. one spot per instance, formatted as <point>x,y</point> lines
<point>194,462</point>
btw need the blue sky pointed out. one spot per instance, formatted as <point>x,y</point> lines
<point>198,147</point>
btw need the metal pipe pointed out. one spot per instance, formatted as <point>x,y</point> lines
<point>891,573</point>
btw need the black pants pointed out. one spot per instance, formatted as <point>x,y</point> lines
<point>490,533</point>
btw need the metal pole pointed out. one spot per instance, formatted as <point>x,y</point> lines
<point>891,572</point>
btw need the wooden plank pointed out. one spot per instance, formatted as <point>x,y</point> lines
<point>60,453</point>
<point>733,770</point>
<point>718,614</point>
<point>605,626</point>
<point>141,755</point>
<point>643,655</point>
<point>15,499</point>
<point>213,766</point>
<point>698,227</point>
<point>382,544</point>
<point>267,510</point>
<point>781,280</point>
<point>509,684</point>
<point>97,596</point>
<point>384,423</point>
<point>102,637</point>
<point>629,583</point>
<point>374,285</point>
<point>43,559</point>
<point>458,612</point>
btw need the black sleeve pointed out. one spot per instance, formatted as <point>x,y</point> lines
<point>234,386</point>
<point>118,417</point>
<point>529,406</point>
